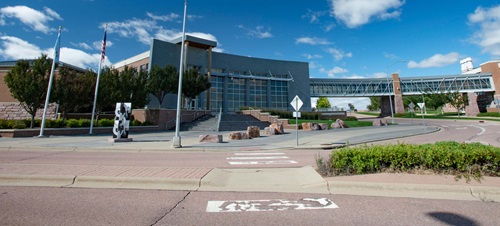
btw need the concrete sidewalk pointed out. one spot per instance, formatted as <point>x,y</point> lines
<point>303,179</point>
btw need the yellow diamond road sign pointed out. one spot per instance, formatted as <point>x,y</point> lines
<point>296,103</point>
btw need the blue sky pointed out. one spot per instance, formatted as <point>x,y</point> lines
<point>339,38</point>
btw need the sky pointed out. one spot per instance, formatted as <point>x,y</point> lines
<point>338,38</point>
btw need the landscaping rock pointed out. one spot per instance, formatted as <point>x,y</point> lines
<point>238,136</point>
<point>324,126</point>
<point>270,131</point>
<point>210,138</point>
<point>339,124</point>
<point>253,131</point>
<point>279,128</point>
<point>307,126</point>
<point>315,126</point>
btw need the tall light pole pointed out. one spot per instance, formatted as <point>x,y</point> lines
<point>389,86</point>
<point>176,143</point>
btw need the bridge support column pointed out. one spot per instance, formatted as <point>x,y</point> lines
<point>398,102</point>
<point>385,106</point>
<point>472,109</point>
<point>398,95</point>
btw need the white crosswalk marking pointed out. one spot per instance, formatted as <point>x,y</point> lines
<point>259,159</point>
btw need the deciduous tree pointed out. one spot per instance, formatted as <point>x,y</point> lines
<point>28,83</point>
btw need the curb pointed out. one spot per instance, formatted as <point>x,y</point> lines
<point>427,191</point>
<point>36,180</point>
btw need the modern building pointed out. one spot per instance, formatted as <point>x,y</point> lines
<point>236,81</point>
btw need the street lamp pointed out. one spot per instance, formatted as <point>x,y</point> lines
<point>177,138</point>
<point>390,96</point>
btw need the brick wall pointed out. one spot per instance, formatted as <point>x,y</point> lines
<point>15,111</point>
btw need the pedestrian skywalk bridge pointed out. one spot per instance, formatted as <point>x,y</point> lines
<point>367,87</point>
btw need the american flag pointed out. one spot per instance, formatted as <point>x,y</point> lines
<point>103,48</point>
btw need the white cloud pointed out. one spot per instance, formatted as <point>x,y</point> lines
<point>52,13</point>
<point>258,32</point>
<point>378,75</point>
<point>332,72</point>
<point>82,45</point>
<point>488,35</point>
<point>359,12</point>
<point>314,16</point>
<point>315,56</point>
<point>14,48</point>
<point>169,17</point>
<point>144,30</point>
<point>35,19</point>
<point>136,28</point>
<point>338,54</point>
<point>80,58</point>
<point>312,41</point>
<point>438,60</point>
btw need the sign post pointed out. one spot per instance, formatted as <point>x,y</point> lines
<point>422,105</point>
<point>297,104</point>
<point>412,110</point>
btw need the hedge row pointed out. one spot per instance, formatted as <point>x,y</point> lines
<point>59,123</point>
<point>450,157</point>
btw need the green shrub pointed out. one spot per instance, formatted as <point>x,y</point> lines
<point>59,123</point>
<point>451,157</point>
<point>489,114</point>
<point>147,123</point>
<point>72,123</point>
<point>136,123</point>
<point>84,122</point>
<point>19,125</point>
<point>106,122</point>
<point>351,118</point>
<point>3,124</point>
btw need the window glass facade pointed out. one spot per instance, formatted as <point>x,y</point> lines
<point>216,92</point>
<point>279,95</point>
<point>258,93</point>
<point>235,94</point>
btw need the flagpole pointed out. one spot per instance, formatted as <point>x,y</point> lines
<point>177,138</point>
<point>54,62</point>
<point>103,52</point>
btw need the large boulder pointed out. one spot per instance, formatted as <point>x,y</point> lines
<point>279,128</point>
<point>210,138</point>
<point>238,136</point>
<point>324,126</point>
<point>307,126</point>
<point>339,124</point>
<point>253,131</point>
<point>315,126</point>
<point>270,131</point>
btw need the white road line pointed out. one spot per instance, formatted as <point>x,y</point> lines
<point>253,153</point>
<point>482,130</point>
<point>258,157</point>
<point>270,205</point>
<point>263,162</point>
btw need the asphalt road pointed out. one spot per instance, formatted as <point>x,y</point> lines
<point>76,206</point>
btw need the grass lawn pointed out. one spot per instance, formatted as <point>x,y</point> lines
<point>329,122</point>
